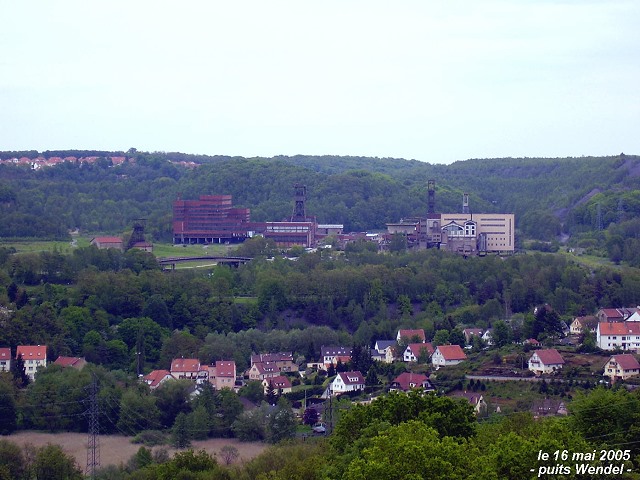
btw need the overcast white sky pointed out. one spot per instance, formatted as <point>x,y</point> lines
<point>436,81</point>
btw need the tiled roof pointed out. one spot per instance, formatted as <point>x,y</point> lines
<point>67,361</point>
<point>335,351</point>
<point>280,382</point>
<point>107,239</point>
<point>155,377</point>
<point>619,328</point>
<point>352,378</point>
<point>417,347</point>
<point>225,369</point>
<point>626,361</point>
<point>32,352</point>
<point>408,380</point>
<point>451,352</point>
<point>185,365</point>
<point>5,353</point>
<point>272,357</point>
<point>409,334</point>
<point>550,356</point>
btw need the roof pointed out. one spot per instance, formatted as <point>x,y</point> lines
<point>185,365</point>
<point>279,382</point>
<point>333,351</point>
<point>225,369</point>
<point>266,367</point>
<point>588,321</point>
<point>5,353</point>
<point>619,328</point>
<point>155,377</point>
<point>472,331</point>
<point>351,378</point>
<point>107,239</point>
<point>68,361</point>
<point>412,333</point>
<point>451,352</point>
<point>408,380</point>
<point>32,352</point>
<point>417,347</point>
<point>626,361</point>
<point>549,356</point>
<point>384,344</point>
<point>272,357</point>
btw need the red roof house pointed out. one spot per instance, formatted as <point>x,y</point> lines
<point>546,361</point>
<point>411,335</point>
<point>34,357</point>
<point>621,367</point>
<point>74,362</point>
<point>157,378</point>
<point>408,381</point>
<point>5,359</point>
<point>447,355</point>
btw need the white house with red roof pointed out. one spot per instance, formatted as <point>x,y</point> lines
<point>157,377</point>
<point>546,360</point>
<point>414,350</point>
<point>407,381</point>
<point>108,242</point>
<point>280,384</point>
<point>5,359</point>
<point>588,323</point>
<point>446,355</point>
<point>622,335</point>
<point>347,382</point>
<point>34,357</point>
<point>411,336</point>
<point>621,367</point>
<point>186,368</point>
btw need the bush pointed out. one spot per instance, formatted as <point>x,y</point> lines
<point>150,438</point>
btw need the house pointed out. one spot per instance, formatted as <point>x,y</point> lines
<point>635,317</point>
<point>5,359</point>
<point>414,350</point>
<point>333,355</point>
<point>411,336</point>
<point>283,360</point>
<point>548,407</point>
<point>223,375</point>
<point>471,332</point>
<point>532,342</point>
<point>74,362</point>
<point>407,381</point>
<point>188,368</point>
<point>581,325</point>
<point>476,400</point>
<point>545,361</point>
<point>34,357</point>
<point>280,385</point>
<point>108,242</point>
<point>347,382</point>
<point>614,314</point>
<point>446,355</point>
<point>487,336</point>
<point>621,367</point>
<point>259,371</point>
<point>622,335</point>
<point>157,377</point>
<point>384,351</point>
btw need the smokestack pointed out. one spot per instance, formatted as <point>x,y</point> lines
<point>431,201</point>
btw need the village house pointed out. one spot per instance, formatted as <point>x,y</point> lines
<point>411,336</point>
<point>471,332</point>
<point>384,351</point>
<point>74,362</point>
<point>108,242</point>
<point>34,357</point>
<point>584,324</point>
<point>614,314</point>
<point>347,382</point>
<point>548,407</point>
<point>279,384</point>
<point>282,360</point>
<point>407,381</point>
<point>476,400</point>
<point>5,359</point>
<point>622,335</point>
<point>188,368</point>
<point>333,355</point>
<point>157,377</point>
<point>545,361</point>
<point>259,371</point>
<point>446,355</point>
<point>414,350</point>
<point>223,375</point>
<point>621,367</point>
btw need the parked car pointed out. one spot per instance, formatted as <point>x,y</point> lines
<point>319,428</point>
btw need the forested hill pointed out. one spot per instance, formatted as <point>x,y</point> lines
<point>577,195</point>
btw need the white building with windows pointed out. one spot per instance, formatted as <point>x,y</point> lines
<point>622,335</point>
<point>34,357</point>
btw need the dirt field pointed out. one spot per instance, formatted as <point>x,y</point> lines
<point>116,449</point>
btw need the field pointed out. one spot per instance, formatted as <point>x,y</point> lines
<point>117,449</point>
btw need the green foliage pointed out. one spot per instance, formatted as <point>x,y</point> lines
<point>52,463</point>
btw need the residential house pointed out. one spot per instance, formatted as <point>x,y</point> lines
<point>415,350</point>
<point>223,375</point>
<point>471,332</point>
<point>108,242</point>
<point>545,361</point>
<point>614,314</point>
<point>476,400</point>
<point>446,355</point>
<point>635,317</point>
<point>157,377</point>
<point>5,359</point>
<point>259,371</point>
<point>407,381</point>
<point>487,336</point>
<point>34,357</point>
<point>621,367</point>
<point>584,324</point>
<point>411,336</point>
<point>283,360</point>
<point>384,351</point>
<point>280,385</point>
<point>333,355</point>
<point>618,335</point>
<point>74,362</point>
<point>548,407</point>
<point>347,382</point>
<point>188,368</point>
<point>532,342</point>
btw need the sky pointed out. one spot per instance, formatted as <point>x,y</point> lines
<point>436,81</point>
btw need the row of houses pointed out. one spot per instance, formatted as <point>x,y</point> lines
<point>34,358</point>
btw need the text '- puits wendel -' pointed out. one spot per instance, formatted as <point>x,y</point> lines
<point>595,462</point>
